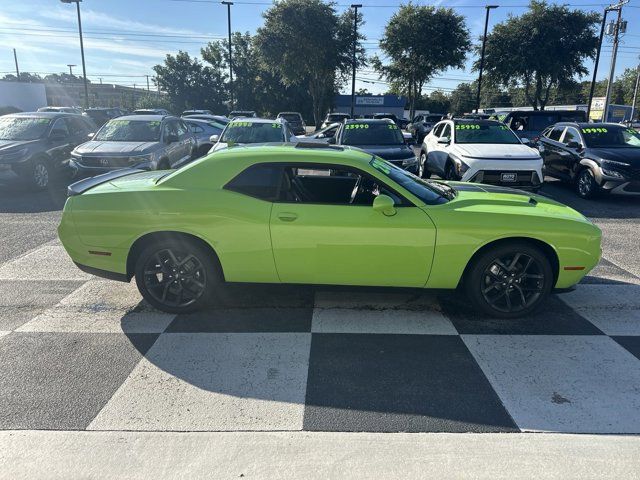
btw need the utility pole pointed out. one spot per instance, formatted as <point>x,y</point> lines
<point>597,61</point>
<point>635,92</point>
<point>484,44</point>
<point>84,68</point>
<point>616,38</point>
<point>228,4</point>
<point>355,44</point>
<point>147,82</point>
<point>15,58</point>
<point>71,68</point>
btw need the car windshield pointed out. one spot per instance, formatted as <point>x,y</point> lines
<point>336,117</point>
<point>433,118</point>
<point>484,133</point>
<point>372,134</point>
<point>28,128</point>
<point>130,131</point>
<point>291,117</point>
<point>611,137</point>
<point>431,193</point>
<point>252,132</point>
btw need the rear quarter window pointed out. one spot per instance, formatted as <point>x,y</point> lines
<point>259,181</point>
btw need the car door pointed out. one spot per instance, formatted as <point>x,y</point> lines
<point>60,143</point>
<point>319,237</point>
<point>438,152</point>
<point>185,139</point>
<point>173,150</point>
<point>550,151</point>
<point>568,155</point>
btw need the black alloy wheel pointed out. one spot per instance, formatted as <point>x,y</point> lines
<point>510,281</point>
<point>450,172</point>
<point>177,276</point>
<point>586,185</point>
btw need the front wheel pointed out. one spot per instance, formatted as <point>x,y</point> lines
<point>509,280</point>
<point>586,185</point>
<point>177,276</point>
<point>38,174</point>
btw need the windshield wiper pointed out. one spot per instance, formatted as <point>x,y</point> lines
<point>446,190</point>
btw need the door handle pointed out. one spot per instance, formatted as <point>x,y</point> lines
<point>287,216</point>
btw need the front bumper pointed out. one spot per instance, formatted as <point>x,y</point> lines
<point>523,174</point>
<point>627,184</point>
<point>80,170</point>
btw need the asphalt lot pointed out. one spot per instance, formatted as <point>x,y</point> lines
<point>79,353</point>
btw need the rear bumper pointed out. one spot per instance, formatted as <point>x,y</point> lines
<point>98,272</point>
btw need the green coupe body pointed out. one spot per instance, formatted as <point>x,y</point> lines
<point>227,202</point>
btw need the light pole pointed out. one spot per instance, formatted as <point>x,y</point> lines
<point>635,93</point>
<point>84,69</point>
<point>484,44</point>
<point>355,45</point>
<point>614,54</point>
<point>71,68</point>
<point>15,58</point>
<point>595,65</point>
<point>228,4</point>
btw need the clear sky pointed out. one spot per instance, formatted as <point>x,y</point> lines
<point>125,38</point>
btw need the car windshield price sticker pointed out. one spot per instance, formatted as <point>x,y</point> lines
<point>380,165</point>
<point>352,126</point>
<point>276,125</point>
<point>595,130</point>
<point>393,127</point>
<point>239,124</point>
<point>467,126</point>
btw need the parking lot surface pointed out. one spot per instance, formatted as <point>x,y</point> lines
<point>80,353</point>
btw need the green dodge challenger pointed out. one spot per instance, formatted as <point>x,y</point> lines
<point>316,214</point>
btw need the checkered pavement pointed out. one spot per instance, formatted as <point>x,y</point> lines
<point>78,352</point>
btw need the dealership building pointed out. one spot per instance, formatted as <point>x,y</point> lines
<point>368,105</point>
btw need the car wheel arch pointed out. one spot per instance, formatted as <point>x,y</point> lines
<point>144,240</point>
<point>548,250</point>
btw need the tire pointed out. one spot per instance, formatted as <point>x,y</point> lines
<point>38,173</point>
<point>586,185</point>
<point>186,277</point>
<point>503,288</point>
<point>423,165</point>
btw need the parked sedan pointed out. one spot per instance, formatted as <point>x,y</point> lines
<point>480,151</point>
<point>595,157</point>
<point>150,142</point>
<point>243,131</point>
<point>382,138</point>
<point>203,130</point>
<point>313,214</point>
<point>36,146</point>
<point>73,110</point>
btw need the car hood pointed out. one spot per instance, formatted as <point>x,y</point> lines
<point>8,145</point>
<point>625,155</point>
<point>95,147</point>
<point>496,199</point>
<point>494,151</point>
<point>388,152</point>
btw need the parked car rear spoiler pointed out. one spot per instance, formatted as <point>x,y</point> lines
<point>82,186</point>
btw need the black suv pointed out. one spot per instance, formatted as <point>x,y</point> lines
<point>296,123</point>
<point>529,124</point>
<point>378,137</point>
<point>38,145</point>
<point>595,157</point>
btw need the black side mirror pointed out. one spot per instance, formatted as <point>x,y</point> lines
<point>172,138</point>
<point>574,145</point>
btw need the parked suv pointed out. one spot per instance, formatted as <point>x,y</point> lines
<point>421,125</point>
<point>242,113</point>
<point>150,142</point>
<point>481,151</point>
<point>382,138</point>
<point>100,116</point>
<point>296,123</point>
<point>595,157</point>
<point>242,131</point>
<point>334,118</point>
<point>530,124</point>
<point>37,145</point>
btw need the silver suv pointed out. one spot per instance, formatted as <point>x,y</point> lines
<point>150,142</point>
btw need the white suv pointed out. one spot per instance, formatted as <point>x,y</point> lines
<point>481,151</point>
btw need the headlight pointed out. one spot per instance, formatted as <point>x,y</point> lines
<point>13,156</point>
<point>612,173</point>
<point>614,164</point>
<point>141,158</point>
<point>608,165</point>
<point>409,161</point>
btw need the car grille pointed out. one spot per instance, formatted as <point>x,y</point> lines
<point>494,177</point>
<point>105,162</point>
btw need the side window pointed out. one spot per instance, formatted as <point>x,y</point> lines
<point>438,128</point>
<point>571,135</point>
<point>556,133</point>
<point>261,181</point>
<point>419,118</point>
<point>60,125</point>
<point>446,132</point>
<point>181,129</point>
<point>331,185</point>
<point>166,130</point>
<point>76,127</point>
<point>519,122</point>
<point>195,128</point>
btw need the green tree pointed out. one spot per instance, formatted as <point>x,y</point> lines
<point>189,84</point>
<point>420,42</point>
<point>462,99</point>
<point>306,43</point>
<point>24,77</point>
<point>540,50</point>
<point>63,78</point>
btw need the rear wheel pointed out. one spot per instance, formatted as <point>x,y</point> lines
<point>586,185</point>
<point>177,276</point>
<point>37,173</point>
<point>509,280</point>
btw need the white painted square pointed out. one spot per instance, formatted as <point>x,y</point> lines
<point>579,384</point>
<point>50,262</point>
<point>3,333</point>
<point>614,309</point>
<point>349,312</point>
<point>212,381</point>
<point>100,307</point>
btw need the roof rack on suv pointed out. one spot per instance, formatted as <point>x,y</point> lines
<point>317,145</point>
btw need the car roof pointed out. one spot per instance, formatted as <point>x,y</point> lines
<point>587,124</point>
<point>289,113</point>
<point>541,112</point>
<point>303,151</point>
<point>257,120</point>
<point>368,120</point>
<point>142,118</point>
<point>43,114</point>
<point>478,121</point>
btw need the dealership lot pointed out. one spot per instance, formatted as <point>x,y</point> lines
<point>79,353</point>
